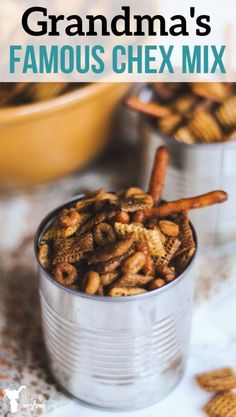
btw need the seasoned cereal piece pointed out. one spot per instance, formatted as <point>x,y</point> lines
<point>171,246</point>
<point>163,270</point>
<point>65,273</point>
<point>132,204</point>
<point>126,292</point>
<point>183,259</point>
<point>104,234</point>
<point>89,199</point>
<point>226,113</point>
<point>72,249</point>
<point>91,223</point>
<point>103,200</point>
<point>221,405</point>
<point>145,198</point>
<point>222,379</point>
<point>216,373</point>
<point>108,266</point>
<point>132,191</point>
<point>134,263</point>
<point>133,280</point>
<point>205,127</point>
<point>135,202</point>
<point>185,135</point>
<point>149,266</point>
<point>112,251</point>
<point>60,232</point>
<point>44,256</point>
<point>112,264</point>
<point>108,278</point>
<point>168,124</point>
<point>184,103</point>
<point>70,217</point>
<point>212,91</point>
<point>185,234</point>
<point>84,217</point>
<point>141,234</point>
<point>43,91</point>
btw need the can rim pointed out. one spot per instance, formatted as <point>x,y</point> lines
<point>51,215</point>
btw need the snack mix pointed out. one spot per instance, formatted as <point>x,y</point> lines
<point>192,112</point>
<point>220,382</point>
<point>13,94</point>
<point>124,243</point>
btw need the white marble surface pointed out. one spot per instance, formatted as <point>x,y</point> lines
<point>213,344</point>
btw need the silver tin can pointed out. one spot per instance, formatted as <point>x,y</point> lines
<point>116,353</point>
<point>193,170</point>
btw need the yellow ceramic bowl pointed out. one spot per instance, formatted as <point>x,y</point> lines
<point>42,141</point>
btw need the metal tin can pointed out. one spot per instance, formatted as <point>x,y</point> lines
<point>116,353</point>
<point>193,170</point>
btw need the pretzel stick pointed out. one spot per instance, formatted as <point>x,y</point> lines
<point>150,109</point>
<point>157,180</point>
<point>186,204</point>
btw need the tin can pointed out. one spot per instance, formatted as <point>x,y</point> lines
<point>193,170</point>
<point>116,353</point>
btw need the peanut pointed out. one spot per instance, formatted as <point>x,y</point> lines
<point>122,217</point>
<point>170,275</point>
<point>156,283</point>
<point>169,228</point>
<point>44,256</point>
<point>92,282</point>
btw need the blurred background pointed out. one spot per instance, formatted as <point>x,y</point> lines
<point>56,141</point>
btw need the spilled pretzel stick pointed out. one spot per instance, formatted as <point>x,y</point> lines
<point>157,180</point>
<point>185,204</point>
